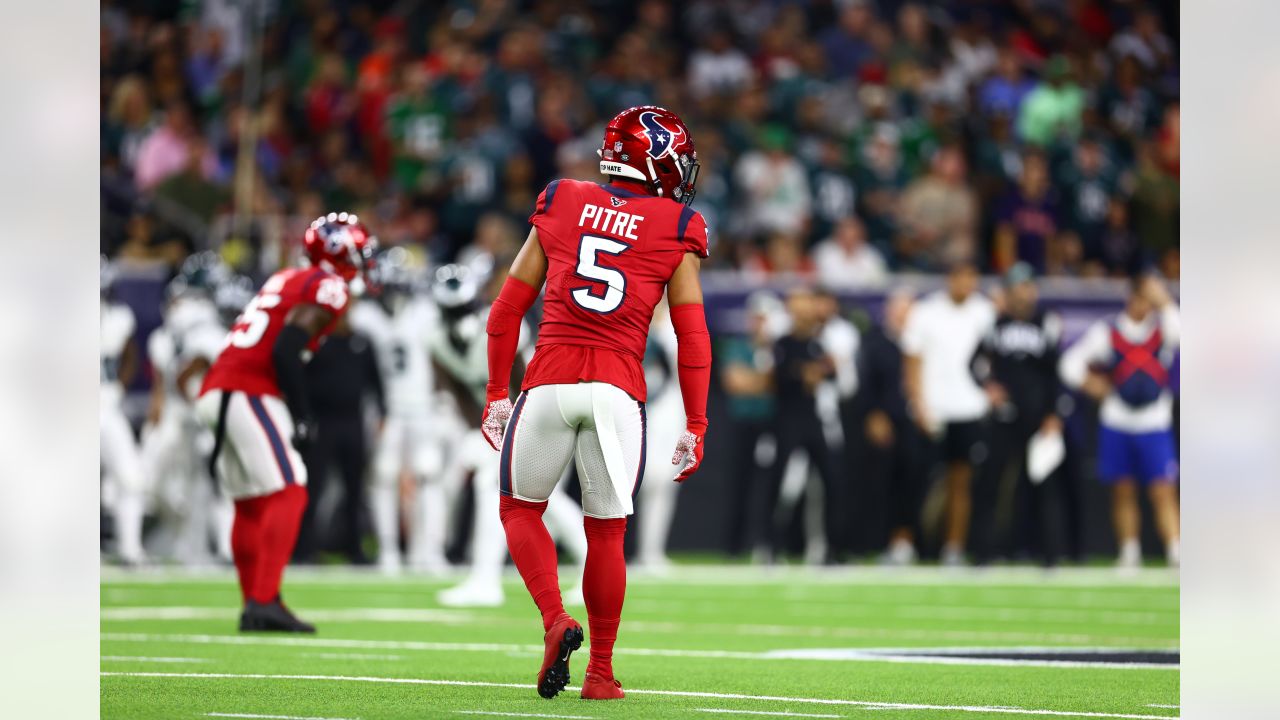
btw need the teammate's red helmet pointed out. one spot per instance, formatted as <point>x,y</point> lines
<point>339,243</point>
<point>652,145</point>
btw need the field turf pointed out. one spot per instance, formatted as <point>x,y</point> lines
<point>702,642</point>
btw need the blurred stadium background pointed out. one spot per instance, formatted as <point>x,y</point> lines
<point>852,152</point>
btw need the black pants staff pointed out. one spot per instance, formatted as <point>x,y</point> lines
<point>745,475</point>
<point>339,445</point>
<point>804,432</point>
<point>1035,509</point>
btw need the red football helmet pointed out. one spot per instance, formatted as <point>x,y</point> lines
<point>339,243</point>
<point>652,145</point>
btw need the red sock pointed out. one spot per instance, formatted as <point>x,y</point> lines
<point>534,554</point>
<point>246,543</point>
<point>604,585</point>
<point>281,520</point>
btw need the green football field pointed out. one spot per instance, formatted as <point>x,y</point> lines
<point>702,642</point>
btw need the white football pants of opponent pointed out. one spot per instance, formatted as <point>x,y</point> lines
<point>483,584</point>
<point>657,493</point>
<point>174,450</point>
<point>412,442</point>
<point>122,462</point>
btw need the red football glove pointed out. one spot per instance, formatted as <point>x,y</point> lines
<point>688,452</point>
<point>493,421</point>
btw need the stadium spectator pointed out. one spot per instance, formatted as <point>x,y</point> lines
<point>941,335</point>
<point>718,67</point>
<point>845,258</point>
<point>847,44</point>
<point>775,185</point>
<point>1052,111</point>
<point>166,150</point>
<point>1027,221</point>
<point>1003,92</point>
<point>938,216</point>
<point>1088,183</point>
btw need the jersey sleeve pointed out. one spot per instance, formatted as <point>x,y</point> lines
<point>691,230</point>
<point>328,291</point>
<point>546,200</point>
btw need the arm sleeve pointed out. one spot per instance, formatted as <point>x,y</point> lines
<point>286,356</point>
<point>505,321</point>
<point>693,363</point>
<point>1171,326</point>
<point>1090,349</point>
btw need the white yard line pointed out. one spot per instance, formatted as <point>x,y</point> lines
<point>270,717</point>
<point>811,654</point>
<point>1167,707</point>
<point>532,715</point>
<point>771,713</point>
<point>173,612</point>
<point>746,575</point>
<point>148,659</point>
<point>443,617</point>
<point>634,691</point>
<point>352,656</point>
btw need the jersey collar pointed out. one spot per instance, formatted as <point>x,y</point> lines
<point>621,191</point>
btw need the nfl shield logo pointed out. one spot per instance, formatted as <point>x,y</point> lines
<point>617,202</point>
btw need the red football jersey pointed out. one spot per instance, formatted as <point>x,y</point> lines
<point>245,361</point>
<point>610,253</point>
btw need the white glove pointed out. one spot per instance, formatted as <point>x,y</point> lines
<point>689,453</point>
<point>494,421</point>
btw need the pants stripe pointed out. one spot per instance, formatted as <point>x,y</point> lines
<point>644,441</point>
<point>277,445</point>
<point>504,474</point>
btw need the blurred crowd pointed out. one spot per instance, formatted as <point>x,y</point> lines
<point>839,138</point>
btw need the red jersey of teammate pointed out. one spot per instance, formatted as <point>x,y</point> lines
<point>245,361</point>
<point>610,253</point>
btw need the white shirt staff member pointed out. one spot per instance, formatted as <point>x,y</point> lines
<point>938,343</point>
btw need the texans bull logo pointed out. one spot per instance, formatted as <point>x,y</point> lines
<point>661,138</point>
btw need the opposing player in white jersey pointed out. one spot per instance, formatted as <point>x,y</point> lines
<point>459,348</point>
<point>120,457</point>
<point>175,444</point>
<point>666,423</point>
<point>398,323</point>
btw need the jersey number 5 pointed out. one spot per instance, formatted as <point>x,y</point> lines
<point>589,268</point>
<point>254,320</point>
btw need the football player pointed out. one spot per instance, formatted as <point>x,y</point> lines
<point>606,254</point>
<point>181,351</point>
<point>666,423</point>
<point>459,348</point>
<point>120,457</point>
<point>255,399</point>
<point>397,324</point>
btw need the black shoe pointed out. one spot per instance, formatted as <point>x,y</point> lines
<point>271,617</point>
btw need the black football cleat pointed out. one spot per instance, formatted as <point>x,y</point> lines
<point>271,617</point>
